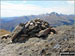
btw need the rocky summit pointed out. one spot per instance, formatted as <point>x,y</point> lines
<point>34,28</point>
<point>38,38</point>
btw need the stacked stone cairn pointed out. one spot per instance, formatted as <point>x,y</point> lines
<point>34,28</point>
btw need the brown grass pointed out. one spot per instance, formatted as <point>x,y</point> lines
<point>3,32</point>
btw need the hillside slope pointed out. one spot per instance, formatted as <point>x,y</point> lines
<point>3,32</point>
<point>64,40</point>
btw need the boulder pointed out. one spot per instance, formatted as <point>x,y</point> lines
<point>16,32</point>
<point>5,36</point>
<point>44,32</point>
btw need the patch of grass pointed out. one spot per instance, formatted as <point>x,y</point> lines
<point>3,32</point>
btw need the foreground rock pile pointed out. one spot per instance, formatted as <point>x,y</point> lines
<point>38,44</point>
<point>34,28</point>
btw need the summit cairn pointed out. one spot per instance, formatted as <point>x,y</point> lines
<point>34,28</point>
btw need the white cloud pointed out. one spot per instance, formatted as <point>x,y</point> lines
<point>10,9</point>
<point>71,2</point>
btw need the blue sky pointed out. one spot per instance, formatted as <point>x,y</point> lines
<point>21,8</point>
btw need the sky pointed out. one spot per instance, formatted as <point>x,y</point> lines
<point>24,8</point>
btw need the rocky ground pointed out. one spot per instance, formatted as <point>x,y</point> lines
<point>52,45</point>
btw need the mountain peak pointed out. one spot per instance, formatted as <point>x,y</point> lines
<point>54,13</point>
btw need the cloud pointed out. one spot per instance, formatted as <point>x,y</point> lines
<point>71,2</point>
<point>20,9</point>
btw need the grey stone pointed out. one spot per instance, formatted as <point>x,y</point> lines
<point>44,32</point>
<point>15,33</point>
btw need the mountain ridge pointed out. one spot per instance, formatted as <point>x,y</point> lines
<point>53,18</point>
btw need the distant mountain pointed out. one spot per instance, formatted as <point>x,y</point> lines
<point>53,18</point>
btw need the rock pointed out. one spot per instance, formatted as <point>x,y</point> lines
<point>53,30</point>
<point>27,24</point>
<point>16,32</point>
<point>33,28</point>
<point>44,32</point>
<point>5,36</point>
